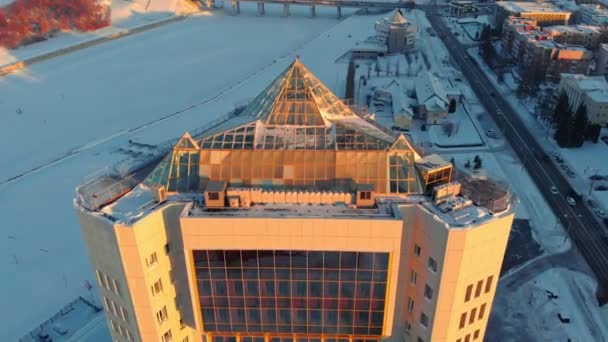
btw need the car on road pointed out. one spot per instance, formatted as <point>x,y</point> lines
<point>600,213</point>
<point>553,190</point>
<point>491,134</point>
<point>571,201</point>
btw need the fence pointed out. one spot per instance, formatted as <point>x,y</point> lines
<point>105,185</point>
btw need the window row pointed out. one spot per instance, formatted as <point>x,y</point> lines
<point>119,329</point>
<point>297,338</point>
<point>289,289</point>
<point>296,328</point>
<point>293,302</point>
<point>478,288</point>
<point>285,316</point>
<point>285,273</point>
<point>467,338</point>
<point>291,259</point>
<point>116,309</point>
<point>473,316</point>
<point>108,283</point>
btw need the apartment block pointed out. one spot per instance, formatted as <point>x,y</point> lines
<point>592,91</point>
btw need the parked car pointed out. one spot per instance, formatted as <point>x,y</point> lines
<point>570,173</point>
<point>554,190</point>
<point>571,201</point>
<point>555,154</point>
<point>559,159</point>
<point>491,134</point>
<point>564,167</point>
<point>600,213</point>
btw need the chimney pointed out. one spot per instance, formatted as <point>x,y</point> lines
<point>159,193</point>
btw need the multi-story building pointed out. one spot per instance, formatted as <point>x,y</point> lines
<point>593,14</point>
<point>583,35</point>
<point>544,13</point>
<point>532,48</point>
<point>516,32</point>
<point>295,220</point>
<point>398,34</point>
<point>592,91</point>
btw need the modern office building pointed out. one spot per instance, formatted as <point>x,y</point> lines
<point>544,13</point>
<point>295,220</point>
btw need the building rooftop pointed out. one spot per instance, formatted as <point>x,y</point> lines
<point>430,91</point>
<point>530,7</point>
<point>295,150</point>
<point>595,87</point>
<point>578,29</point>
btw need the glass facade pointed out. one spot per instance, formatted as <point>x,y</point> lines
<point>294,292</point>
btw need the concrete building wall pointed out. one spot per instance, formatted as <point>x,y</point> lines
<point>465,257</point>
<point>104,254</point>
<point>126,254</point>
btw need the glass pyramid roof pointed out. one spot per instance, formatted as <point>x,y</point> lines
<point>297,112</point>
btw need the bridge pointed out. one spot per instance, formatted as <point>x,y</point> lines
<point>339,4</point>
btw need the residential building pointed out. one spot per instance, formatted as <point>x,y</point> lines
<point>434,96</point>
<point>515,34</point>
<point>397,33</point>
<point>295,219</point>
<point>393,93</point>
<point>592,91</point>
<point>545,13</point>
<point>532,48</point>
<point>593,14</point>
<point>583,35</point>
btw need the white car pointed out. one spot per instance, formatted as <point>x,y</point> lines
<point>600,213</point>
<point>571,201</point>
<point>553,190</point>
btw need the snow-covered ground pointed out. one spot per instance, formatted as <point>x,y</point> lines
<point>161,72</point>
<point>125,15</point>
<point>556,291</point>
<point>462,132</point>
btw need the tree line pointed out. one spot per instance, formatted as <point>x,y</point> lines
<point>573,128</point>
<point>26,21</point>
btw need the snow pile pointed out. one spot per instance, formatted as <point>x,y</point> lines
<point>123,10</point>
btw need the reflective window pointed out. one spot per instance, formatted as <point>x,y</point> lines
<point>292,291</point>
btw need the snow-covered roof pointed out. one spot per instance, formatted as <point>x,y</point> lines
<point>595,87</point>
<point>529,7</point>
<point>399,103</point>
<point>430,91</point>
<point>581,29</point>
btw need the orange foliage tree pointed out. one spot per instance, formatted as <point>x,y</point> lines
<point>28,20</point>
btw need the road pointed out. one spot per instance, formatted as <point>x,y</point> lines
<point>580,223</point>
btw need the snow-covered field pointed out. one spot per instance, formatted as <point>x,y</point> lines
<point>97,99</point>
